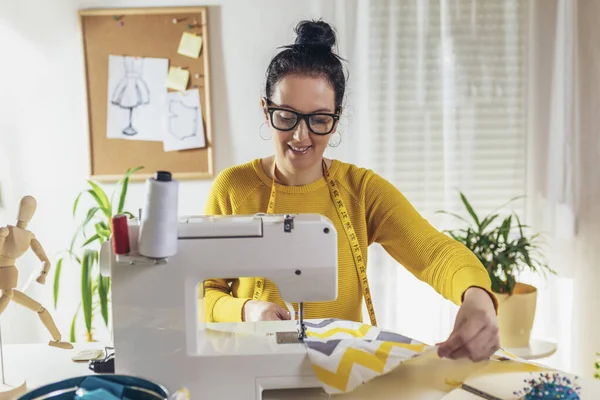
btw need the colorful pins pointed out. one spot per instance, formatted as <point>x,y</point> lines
<point>550,386</point>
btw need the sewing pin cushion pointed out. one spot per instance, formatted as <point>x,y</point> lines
<point>548,386</point>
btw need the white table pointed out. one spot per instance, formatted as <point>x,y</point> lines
<point>536,350</point>
<point>424,379</point>
<point>41,364</point>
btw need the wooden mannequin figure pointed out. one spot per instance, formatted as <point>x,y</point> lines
<point>14,242</point>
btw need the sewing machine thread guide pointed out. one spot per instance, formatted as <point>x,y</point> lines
<point>288,223</point>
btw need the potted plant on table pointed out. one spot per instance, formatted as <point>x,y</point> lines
<point>95,229</point>
<point>503,247</point>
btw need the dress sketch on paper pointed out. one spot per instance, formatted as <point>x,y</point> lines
<point>136,97</point>
<point>184,126</point>
<point>132,91</point>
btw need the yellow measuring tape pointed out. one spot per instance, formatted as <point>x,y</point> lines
<point>359,261</point>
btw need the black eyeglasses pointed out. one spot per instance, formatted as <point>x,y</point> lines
<point>283,119</point>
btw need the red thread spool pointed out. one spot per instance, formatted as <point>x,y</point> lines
<point>120,234</point>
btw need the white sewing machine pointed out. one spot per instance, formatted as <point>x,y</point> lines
<point>159,330</point>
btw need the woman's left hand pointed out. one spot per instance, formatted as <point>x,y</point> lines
<point>475,335</point>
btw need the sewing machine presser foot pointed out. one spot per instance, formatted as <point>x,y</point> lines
<point>294,337</point>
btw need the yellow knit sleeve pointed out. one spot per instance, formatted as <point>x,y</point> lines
<point>433,257</point>
<point>219,304</point>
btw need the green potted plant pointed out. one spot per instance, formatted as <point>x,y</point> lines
<point>504,248</point>
<point>93,231</point>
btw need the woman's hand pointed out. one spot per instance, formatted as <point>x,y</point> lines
<point>257,310</point>
<point>475,335</point>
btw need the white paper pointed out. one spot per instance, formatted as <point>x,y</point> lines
<point>137,97</point>
<point>184,127</point>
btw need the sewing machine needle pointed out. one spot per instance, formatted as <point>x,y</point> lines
<point>301,332</point>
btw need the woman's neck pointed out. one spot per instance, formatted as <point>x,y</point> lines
<point>297,177</point>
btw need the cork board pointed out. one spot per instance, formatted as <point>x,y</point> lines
<point>144,32</point>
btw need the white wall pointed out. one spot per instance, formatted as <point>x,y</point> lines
<point>586,342</point>
<point>43,127</point>
<point>567,304</point>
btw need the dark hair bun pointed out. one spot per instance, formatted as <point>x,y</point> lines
<point>317,33</point>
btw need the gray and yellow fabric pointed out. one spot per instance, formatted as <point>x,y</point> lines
<point>346,354</point>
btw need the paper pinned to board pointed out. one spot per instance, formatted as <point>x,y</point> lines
<point>178,78</point>
<point>190,45</point>
<point>183,126</point>
<point>140,106</point>
<point>136,97</point>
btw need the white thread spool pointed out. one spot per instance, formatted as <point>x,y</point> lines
<point>158,227</point>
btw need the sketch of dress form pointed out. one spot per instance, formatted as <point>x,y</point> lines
<point>131,92</point>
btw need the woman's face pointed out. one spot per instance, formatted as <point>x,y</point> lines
<point>300,148</point>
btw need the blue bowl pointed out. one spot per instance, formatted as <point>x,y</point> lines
<point>114,386</point>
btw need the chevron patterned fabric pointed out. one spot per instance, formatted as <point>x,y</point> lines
<point>346,354</point>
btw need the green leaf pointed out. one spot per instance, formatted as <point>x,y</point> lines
<point>90,240</point>
<point>453,215</point>
<point>519,224</point>
<point>469,208</point>
<point>100,196</point>
<point>57,280</point>
<point>90,214</point>
<point>103,234</point>
<point>458,238</point>
<point>120,185</point>
<point>125,181</point>
<point>76,202</point>
<point>508,202</point>
<point>72,331</point>
<point>105,209</point>
<point>488,220</point>
<point>505,228</point>
<point>103,286</point>
<point>103,199</point>
<point>86,287</point>
<point>103,229</point>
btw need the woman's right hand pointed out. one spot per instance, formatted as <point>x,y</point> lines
<point>258,310</point>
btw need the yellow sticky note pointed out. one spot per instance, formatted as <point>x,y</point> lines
<point>190,45</point>
<point>178,78</point>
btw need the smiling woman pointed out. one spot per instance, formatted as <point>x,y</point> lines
<point>300,111</point>
<point>302,106</point>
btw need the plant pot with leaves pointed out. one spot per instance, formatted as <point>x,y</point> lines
<point>506,250</point>
<point>95,229</point>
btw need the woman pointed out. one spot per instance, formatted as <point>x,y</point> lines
<point>303,103</point>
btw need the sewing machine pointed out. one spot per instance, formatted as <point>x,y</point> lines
<point>158,325</point>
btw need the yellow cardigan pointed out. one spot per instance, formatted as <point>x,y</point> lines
<point>379,213</point>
